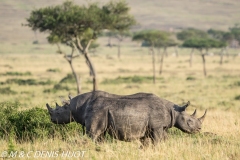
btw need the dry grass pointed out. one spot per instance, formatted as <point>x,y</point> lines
<point>216,92</point>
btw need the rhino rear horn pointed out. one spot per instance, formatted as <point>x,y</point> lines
<point>202,118</point>
<point>194,113</point>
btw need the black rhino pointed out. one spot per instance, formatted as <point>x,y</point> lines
<point>137,118</point>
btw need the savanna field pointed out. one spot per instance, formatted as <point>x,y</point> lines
<point>32,74</point>
<point>29,81</point>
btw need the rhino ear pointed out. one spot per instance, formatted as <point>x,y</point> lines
<point>183,108</point>
<point>57,106</point>
<point>202,118</point>
<point>194,113</point>
<point>49,108</point>
<point>70,97</point>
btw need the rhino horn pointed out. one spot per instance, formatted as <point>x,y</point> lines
<point>49,108</point>
<point>194,113</point>
<point>202,118</point>
<point>57,105</point>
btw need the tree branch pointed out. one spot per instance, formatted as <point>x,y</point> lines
<point>79,46</point>
<point>86,48</point>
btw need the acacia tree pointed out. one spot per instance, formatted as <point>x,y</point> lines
<point>165,43</point>
<point>201,44</point>
<point>151,37</point>
<point>191,33</point>
<point>74,26</point>
<point>121,21</point>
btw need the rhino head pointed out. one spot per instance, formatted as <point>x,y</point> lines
<point>60,115</point>
<point>189,123</point>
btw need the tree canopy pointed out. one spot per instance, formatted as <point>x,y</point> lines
<point>191,33</point>
<point>203,43</point>
<point>78,26</point>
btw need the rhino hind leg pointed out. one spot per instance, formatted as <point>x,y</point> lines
<point>96,127</point>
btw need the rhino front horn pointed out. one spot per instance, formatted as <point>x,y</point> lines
<point>202,118</point>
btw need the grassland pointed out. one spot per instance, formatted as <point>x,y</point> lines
<point>29,73</point>
<point>219,92</point>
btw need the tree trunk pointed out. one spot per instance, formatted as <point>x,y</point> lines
<point>165,51</point>
<point>109,41</point>
<point>119,51</point>
<point>191,57</point>
<point>226,49</point>
<point>204,66</point>
<point>153,62</point>
<point>76,78</point>
<point>176,50</point>
<point>84,51</point>
<point>159,55</point>
<point>161,62</point>
<point>221,57</point>
<point>92,71</point>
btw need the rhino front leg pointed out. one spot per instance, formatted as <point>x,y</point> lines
<point>158,135</point>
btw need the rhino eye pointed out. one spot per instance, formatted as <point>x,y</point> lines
<point>190,122</point>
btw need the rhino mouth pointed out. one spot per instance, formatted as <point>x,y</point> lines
<point>191,132</point>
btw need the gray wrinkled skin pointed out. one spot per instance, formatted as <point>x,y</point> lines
<point>137,116</point>
<point>75,110</point>
<point>142,117</point>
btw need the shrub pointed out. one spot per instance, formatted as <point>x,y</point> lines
<point>68,79</point>
<point>190,78</point>
<point>133,79</point>
<point>18,74</point>
<point>28,82</point>
<point>32,124</point>
<point>7,90</point>
<point>57,87</point>
<point>237,97</point>
<point>54,70</point>
<point>237,83</point>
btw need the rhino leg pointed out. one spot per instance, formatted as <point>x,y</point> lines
<point>157,135</point>
<point>96,126</point>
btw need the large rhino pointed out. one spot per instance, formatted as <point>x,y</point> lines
<point>137,118</point>
<point>75,111</point>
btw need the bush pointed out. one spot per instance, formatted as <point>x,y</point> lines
<point>237,83</point>
<point>68,79</point>
<point>57,87</point>
<point>237,97</point>
<point>32,124</point>
<point>190,78</point>
<point>18,74</point>
<point>133,79</point>
<point>7,90</point>
<point>28,82</point>
<point>54,70</point>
